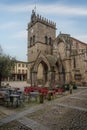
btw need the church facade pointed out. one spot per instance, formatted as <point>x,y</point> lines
<point>54,60</point>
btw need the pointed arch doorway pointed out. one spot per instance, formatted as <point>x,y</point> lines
<point>61,75</point>
<point>42,73</point>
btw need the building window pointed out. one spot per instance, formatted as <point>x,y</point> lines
<point>74,63</point>
<point>23,71</point>
<point>30,41</point>
<point>22,65</point>
<point>46,39</point>
<point>13,67</point>
<point>19,71</point>
<point>34,39</point>
<point>50,40</point>
<point>19,65</point>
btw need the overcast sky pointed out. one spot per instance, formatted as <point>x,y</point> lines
<point>70,17</point>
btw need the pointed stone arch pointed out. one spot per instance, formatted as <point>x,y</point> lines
<point>42,59</point>
<point>40,70</point>
<point>60,72</point>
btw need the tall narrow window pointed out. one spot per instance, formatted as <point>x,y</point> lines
<point>30,41</point>
<point>50,40</point>
<point>19,65</point>
<point>74,63</point>
<point>34,39</point>
<point>46,39</point>
<point>19,71</point>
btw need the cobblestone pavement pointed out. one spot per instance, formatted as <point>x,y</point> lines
<point>32,124</point>
<point>66,113</point>
<point>2,115</point>
<point>78,102</point>
<point>14,125</point>
<point>60,118</point>
<point>69,114</point>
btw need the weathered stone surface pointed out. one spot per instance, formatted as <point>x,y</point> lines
<point>66,113</point>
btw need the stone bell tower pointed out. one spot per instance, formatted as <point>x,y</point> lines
<point>41,34</point>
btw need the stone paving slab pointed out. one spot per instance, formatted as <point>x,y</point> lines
<point>72,107</point>
<point>75,102</point>
<point>61,118</point>
<point>80,98</point>
<point>14,125</point>
<point>83,95</point>
<point>69,110</point>
<point>32,124</point>
<point>25,112</point>
<point>20,114</point>
<point>2,115</point>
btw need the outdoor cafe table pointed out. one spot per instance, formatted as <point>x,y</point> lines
<point>33,94</point>
<point>3,92</point>
<point>14,98</point>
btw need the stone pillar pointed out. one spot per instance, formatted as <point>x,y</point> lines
<point>22,77</point>
<point>15,77</point>
<point>45,77</point>
<point>31,78</point>
<point>34,78</point>
<point>51,78</point>
<point>68,77</point>
<point>28,75</point>
<point>8,79</point>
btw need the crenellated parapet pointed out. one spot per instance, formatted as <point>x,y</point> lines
<point>38,18</point>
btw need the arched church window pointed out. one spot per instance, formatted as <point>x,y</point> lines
<point>46,39</point>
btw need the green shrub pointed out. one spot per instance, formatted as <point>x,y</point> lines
<point>66,86</point>
<point>74,86</point>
